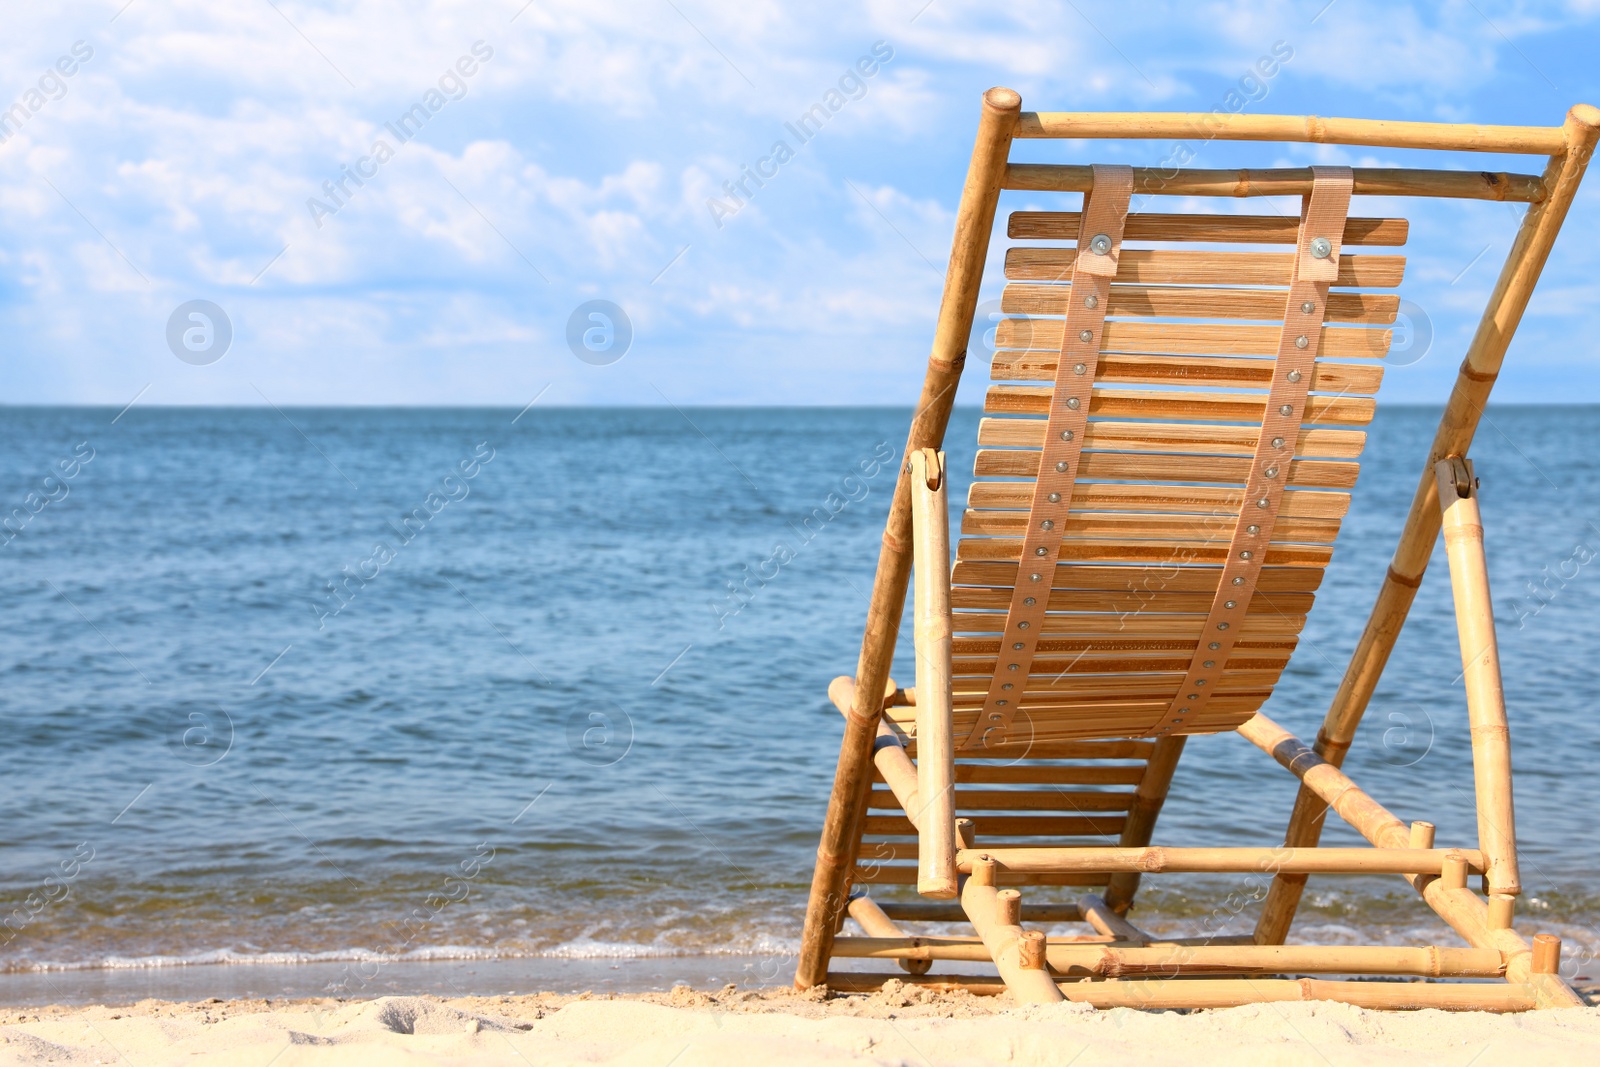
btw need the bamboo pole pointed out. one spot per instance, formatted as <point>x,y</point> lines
<point>1485,354</point>
<point>1210,126</point>
<point>836,853</point>
<point>1003,940</point>
<point>1178,993</point>
<point>1480,665</point>
<point>888,753</point>
<point>865,911</point>
<point>1086,859</point>
<point>1458,906</point>
<point>952,913</point>
<point>1455,184</point>
<point>1148,797</point>
<point>1105,920</point>
<point>1122,961</point>
<point>936,750</point>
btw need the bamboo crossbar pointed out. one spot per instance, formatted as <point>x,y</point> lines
<point>1312,129</point>
<point>1154,860</point>
<point>1293,181</point>
<point>1170,994</point>
<point>1117,961</point>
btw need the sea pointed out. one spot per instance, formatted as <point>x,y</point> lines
<point>344,702</point>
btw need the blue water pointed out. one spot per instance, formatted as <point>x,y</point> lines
<point>535,723</point>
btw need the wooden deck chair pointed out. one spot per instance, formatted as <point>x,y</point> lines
<point>1158,490</point>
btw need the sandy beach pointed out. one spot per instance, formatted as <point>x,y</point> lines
<point>737,1027</point>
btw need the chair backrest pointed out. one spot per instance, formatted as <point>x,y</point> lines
<point>1178,381</point>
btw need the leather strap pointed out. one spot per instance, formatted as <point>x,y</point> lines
<point>1105,211</point>
<point>1316,265</point>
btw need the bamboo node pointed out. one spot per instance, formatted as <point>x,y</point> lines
<point>1032,949</point>
<point>983,871</point>
<point>1009,905</point>
<point>1546,954</point>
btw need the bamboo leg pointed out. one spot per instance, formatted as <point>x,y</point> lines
<point>988,913</point>
<point>1480,663</point>
<point>936,753</point>
<point>1148,797</point>
<point>1459,422</point>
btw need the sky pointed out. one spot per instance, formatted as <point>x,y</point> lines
<point>422,202</point>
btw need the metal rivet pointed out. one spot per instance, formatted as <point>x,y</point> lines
<point>1035,577</point>
<point>1054,498</point>
<point>1018,647</point>
<point>1091,301</point>
<point>1308,307</point>
<point>1013,666</point>
<point>1041,551</point>
<point>1086,335</point>
<point>1000,703</point>
<point>1100,244</point>
<point>1007,686</point>
<point>1079,368</point>
<point>1252,530</point>
<point>1208,664</point>
<point>1321,248</point>
<point>1213,646</point>
<point>1222,626</point>
<point>1073,402</point>
<point>1062,466</point>
<point>1247,554</point>
<point>1286,409</point>
<point>1066,435</point>
<point>1191,696</point>
<point>1023,625</point>
<point>1240,581</point>
<point>1029,601</point>
<point>1263,503</point>
<point>1230,603</point>
<point>1271,472</point>
<point>1293,376</point>
<point>1048,524</point>
<point>1199,681</point>
<point>1277,442</point>
<point>1302,341</point>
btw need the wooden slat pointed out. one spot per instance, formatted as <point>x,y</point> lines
<point>897,874</point>
<point>1172,301</point>
<point>1171,437</point>
<point>1120,666</point>
<point>1196,371</point>
<point>1205,499</point>
<point>1194,338</point>
<point>1113,749</point>
<point>1191,267</point>
<point>1020,800</point>
<point>1009,825</point>
<point>1161,404</point>
<point>1156,226</point>
<point>1107,550</point>
<point>1158,527</point>
<point>1045,774</point>
<point>1043,685</point>
<point>968,597</point>
<point>1303,473</point>
<point>1255,624</point>
<point>1131,644</point>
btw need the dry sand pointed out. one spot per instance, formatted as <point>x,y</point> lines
<point>744,1029</point>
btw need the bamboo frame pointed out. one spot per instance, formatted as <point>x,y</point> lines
<point>936,787</point>
<point>947,856</point>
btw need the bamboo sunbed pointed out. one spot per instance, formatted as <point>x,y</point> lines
<point>1161,475</point>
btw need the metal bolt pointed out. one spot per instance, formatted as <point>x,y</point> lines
<point>1293,376</point>
<point>1029,601</point>
<point>1086,335</point>
<point>1277,442</point>
<point>1208,664</point>
<point>1199,681</point>
<point>1023,625</point>
<point>1091,301</point>
<point>1079,368</point>
<point>1285,409</point>
<point>1321,248</point>
<point>1048,524</point>
<point>1013,666</point>
<point>1222,626</point>
<point>1001,703</point>
<point>1018,647</point>
<point>1191,696</point>
<point>1035,577</point>
<point>1271,472</point>
<point>1054,498</point>
<point>1308,307</point>
<point>1263,503</point>
<point>1252,530</point>
<point>1066,435</point>
<point>1062,466</point>
<point>1073,402</point>
<point>1100,244</point>
<point>1008,685</point>
<point>1213,646</point>
<point>1230,604</point>
<point>1247,554</point>
<point>1041,551</point>
<point>1240,580</point>
<point>1302,341</point>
